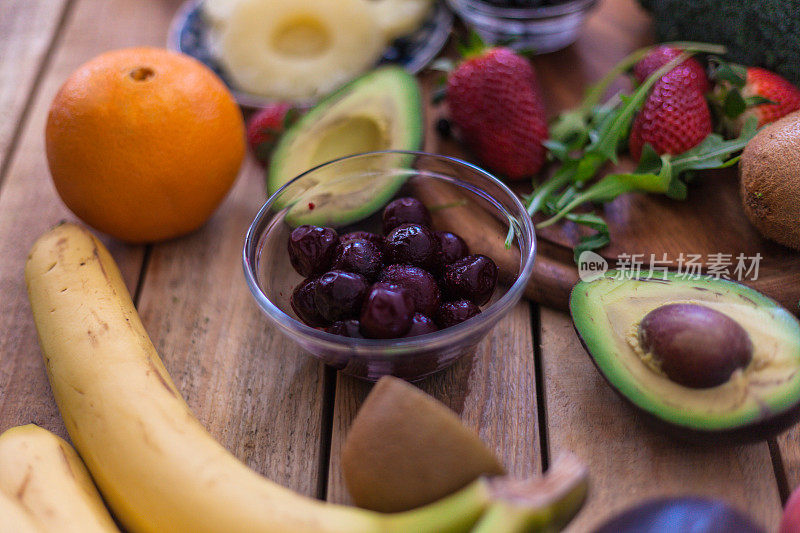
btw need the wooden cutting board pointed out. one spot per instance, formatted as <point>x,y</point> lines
<point>708,228</point>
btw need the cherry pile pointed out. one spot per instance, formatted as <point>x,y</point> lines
<point>412,281</point>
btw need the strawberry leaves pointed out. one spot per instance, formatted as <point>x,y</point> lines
<point>728,100</point>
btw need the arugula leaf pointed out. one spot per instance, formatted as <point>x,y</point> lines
<point>755,100</point>
<point>734,104</point>
<point>735,74</point>
<point>573,124</point>
<point>557,149</point>
<point>714,151</point>
<point>615,128</point>
<point>612,122</point>
<point>590,242</point>
<point>541,193</point>
<point>661,174</point>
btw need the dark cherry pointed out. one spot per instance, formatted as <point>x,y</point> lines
<point>339,294</point>
<point>374,238</point>
<point>452,313</point>
<point>302,301</point>
<point>420,283</point>
<point>311,249</point>
<point>412,244</point>
<point>473,277</point>
<point>405,211</point>
<point>359,256</point>
<point>420,325</point>
<point>452,247</point>
<point>346,328</point>
<point>387,313</point>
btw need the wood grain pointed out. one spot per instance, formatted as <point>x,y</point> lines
<point>27,30</point>
<point>787,447</point>
<point>255,391</point>
<point>263,399</point>
<point>494,392</point>
<point>629,462</point>
<point>29,205</point>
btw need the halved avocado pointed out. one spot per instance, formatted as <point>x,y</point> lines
<point>634,327</point>
<point>381,110</point>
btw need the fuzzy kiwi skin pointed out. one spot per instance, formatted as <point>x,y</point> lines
<point>406,449</point>
<point>770,181</point>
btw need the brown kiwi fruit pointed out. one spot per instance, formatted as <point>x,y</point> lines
<point>770,181</point>
<point>406,449</point>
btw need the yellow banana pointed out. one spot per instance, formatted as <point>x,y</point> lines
<point>156,466</point>
<point>14,518</point>
<point>50,481</point>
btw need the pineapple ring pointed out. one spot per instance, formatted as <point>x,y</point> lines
<point>399,17</point>
<point>300,49</point>
<point>217,12</point>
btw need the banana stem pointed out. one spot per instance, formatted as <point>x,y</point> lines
<point>454,514</point>
<point>504,518</point>
<point>546,505</point>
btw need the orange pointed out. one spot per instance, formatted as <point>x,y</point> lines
<point>143,143</point>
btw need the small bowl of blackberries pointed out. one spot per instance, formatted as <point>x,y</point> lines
<point>394,292</point>
<point>541,26</point>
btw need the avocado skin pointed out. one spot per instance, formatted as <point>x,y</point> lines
<point>757,430</point>
<point>666,515</point>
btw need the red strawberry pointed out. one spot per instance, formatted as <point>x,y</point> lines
<point>264,128</point>
<point>495,103</point>
<point>674,118</point>
<point>762,82</point>
<point>660,56</point>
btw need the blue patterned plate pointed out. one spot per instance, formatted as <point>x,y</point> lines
<point>187,34</point>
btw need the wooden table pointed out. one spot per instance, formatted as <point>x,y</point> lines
<point>530,390</point>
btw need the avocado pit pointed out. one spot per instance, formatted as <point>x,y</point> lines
<point>694,345</point>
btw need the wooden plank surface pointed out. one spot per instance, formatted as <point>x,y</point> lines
<point>253,389</point>
<point>29,205</point>
<point>787,450</point>
<point>628,462</point>
<point>493,391</point>
<point>27,30</point>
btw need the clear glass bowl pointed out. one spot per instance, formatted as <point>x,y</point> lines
<point>541,29</point>
<point>349,194</point>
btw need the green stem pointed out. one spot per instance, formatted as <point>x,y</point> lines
<point>543,192</point>
<point>575,202</point>
<point>550,500</point>
<point>566,197</point>
<point>456,513</point>
<point>549,505</point>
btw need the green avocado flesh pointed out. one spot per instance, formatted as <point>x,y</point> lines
<point>607,313</point>
<point>381,110</point>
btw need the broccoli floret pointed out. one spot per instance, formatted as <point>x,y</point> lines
<point>757,32</point>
